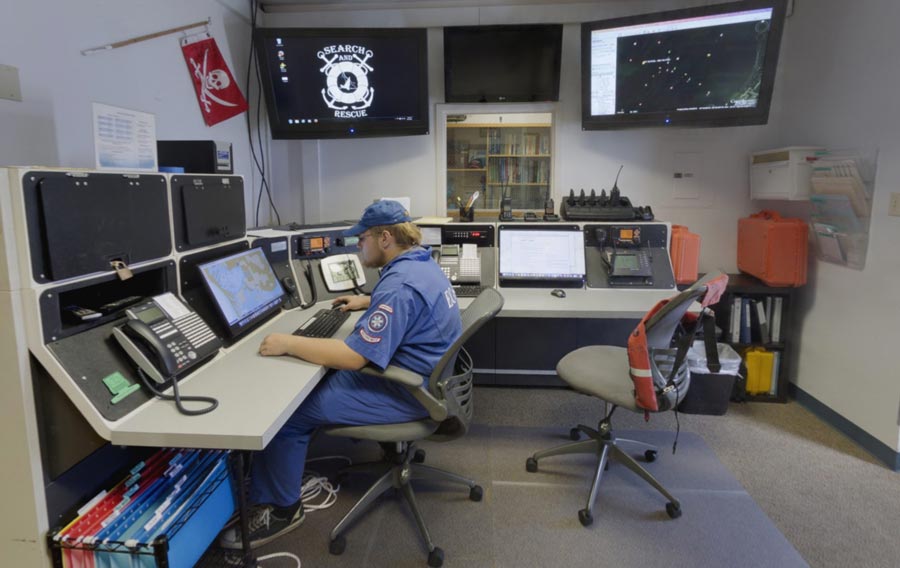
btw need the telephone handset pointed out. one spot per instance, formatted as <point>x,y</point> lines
<point>342,272</point>
<point>461,265</point>
<point>165,338</point>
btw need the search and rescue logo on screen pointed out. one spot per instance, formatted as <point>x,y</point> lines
<point>347,90</point>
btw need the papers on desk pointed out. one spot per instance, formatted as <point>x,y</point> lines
<point>183,495</point>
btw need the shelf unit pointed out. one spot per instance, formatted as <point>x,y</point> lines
<point>746,286</point>
<point>493,158</point>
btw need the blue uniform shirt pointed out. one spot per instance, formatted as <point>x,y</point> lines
<point>413,318</point>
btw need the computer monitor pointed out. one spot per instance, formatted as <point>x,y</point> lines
<point>509,63</point>
<point>536,256</point>
<point>244,289</point>
<point>344,82</point>
<point>703,66</point>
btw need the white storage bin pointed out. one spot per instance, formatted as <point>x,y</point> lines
<point>782,173</point>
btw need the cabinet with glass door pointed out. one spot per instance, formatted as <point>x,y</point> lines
<point>496,160</point>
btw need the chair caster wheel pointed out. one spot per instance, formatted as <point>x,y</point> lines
<point>650,456</point>
<point>531,465</point>
<point>574,434</point>
<point>337,546</point>
<point>436,558</point>
<point>419,456</point>
<point>673,509</point>
<point>476,493</point>
<point>585,517</point>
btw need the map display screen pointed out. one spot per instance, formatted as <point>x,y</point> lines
<point>243,287</point>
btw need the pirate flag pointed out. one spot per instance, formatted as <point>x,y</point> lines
<point>219,96</point>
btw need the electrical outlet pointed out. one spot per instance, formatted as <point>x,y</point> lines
<point>894,209</point>
<point>9,83</point>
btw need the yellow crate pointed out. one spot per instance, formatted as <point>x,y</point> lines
<point>759,370</point>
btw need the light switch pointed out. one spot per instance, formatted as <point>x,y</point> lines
<point>894,210</point>
<point>9,83</point>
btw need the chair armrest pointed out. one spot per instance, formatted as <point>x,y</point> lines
<point>414,383</point>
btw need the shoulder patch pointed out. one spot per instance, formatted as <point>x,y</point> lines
<point>378,321</point>
<point>386,308</point>
<point>368,338</point>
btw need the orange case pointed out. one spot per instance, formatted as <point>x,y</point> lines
<point>685,252</point>
<point>772,248</point>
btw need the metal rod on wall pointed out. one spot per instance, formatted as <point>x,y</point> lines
<point>138,39</point>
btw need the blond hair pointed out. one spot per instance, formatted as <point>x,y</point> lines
<point>406,235</point>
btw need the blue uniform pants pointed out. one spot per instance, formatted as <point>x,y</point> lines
<point>342,397</point>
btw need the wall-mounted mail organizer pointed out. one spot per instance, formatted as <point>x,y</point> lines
<point>841,191</point>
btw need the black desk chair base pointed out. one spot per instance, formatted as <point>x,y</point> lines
<point>398,468</point>
<point>604,444</point>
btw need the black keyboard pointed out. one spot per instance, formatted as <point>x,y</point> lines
<point>468,290</point>
<point>323,323</point>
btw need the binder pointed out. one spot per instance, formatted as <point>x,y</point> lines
<point>776,318</point>
<point>745,320</point>
<point>736,319</point>
<point>776,363</point>
<point>762,322</point>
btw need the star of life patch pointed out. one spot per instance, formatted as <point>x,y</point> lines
<point>377,322</point>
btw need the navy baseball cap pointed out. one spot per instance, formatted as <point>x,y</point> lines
<point>385,212</point>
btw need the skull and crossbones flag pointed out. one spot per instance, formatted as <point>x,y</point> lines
<point>219,96</point>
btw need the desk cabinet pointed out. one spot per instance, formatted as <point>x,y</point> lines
<point>518,351</point>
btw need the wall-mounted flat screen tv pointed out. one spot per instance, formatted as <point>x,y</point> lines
<point>516,63</point>
<point>703,66</point>
<point>344,83</point>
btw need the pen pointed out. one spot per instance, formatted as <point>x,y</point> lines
<point>472,199</point>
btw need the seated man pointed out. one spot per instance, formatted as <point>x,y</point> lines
<point>412,318</point>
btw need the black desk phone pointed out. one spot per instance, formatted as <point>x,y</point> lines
<point>166,338</point>
<point>461,264</point>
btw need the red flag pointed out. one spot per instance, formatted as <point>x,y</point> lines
<point>219,96</point>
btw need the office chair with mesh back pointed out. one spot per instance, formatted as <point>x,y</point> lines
<point>647,376</point>
<point>448,399</point>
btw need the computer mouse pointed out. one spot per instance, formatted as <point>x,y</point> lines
<point>558,293</point>
<point>338,305</point>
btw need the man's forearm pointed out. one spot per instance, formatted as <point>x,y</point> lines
<point>331,353</point>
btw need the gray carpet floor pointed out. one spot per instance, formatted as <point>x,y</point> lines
<point>744,479</point>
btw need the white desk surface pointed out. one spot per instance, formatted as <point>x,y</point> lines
<point>258,394</point>
<point>580,303</point>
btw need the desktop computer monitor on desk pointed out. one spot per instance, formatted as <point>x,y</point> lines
<point>539,257</point>
<point>243,288</point>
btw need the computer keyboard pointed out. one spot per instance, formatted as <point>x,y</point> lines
<point>468,290</point>
<point>323,323</point>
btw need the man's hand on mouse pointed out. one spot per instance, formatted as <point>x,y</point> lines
<point>351,303</point>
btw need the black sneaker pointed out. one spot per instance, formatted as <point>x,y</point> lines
<point>266,523</point>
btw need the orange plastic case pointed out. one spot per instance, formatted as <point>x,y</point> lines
<point>685,252</point>
<point>772,248</point>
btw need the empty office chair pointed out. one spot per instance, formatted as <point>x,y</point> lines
<point>639,378</point>
<point>448,399</point>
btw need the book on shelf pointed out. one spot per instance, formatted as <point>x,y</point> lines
<point>777,304</point>
<point>761,323</point>
<point>776,365</point>
<point>735,331</point>
<point>745,321</point>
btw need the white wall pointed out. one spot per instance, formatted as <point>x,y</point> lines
<point>44,38</point>
<point>836,86</point>
<point>341,176</point>
<point>842,93</point>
